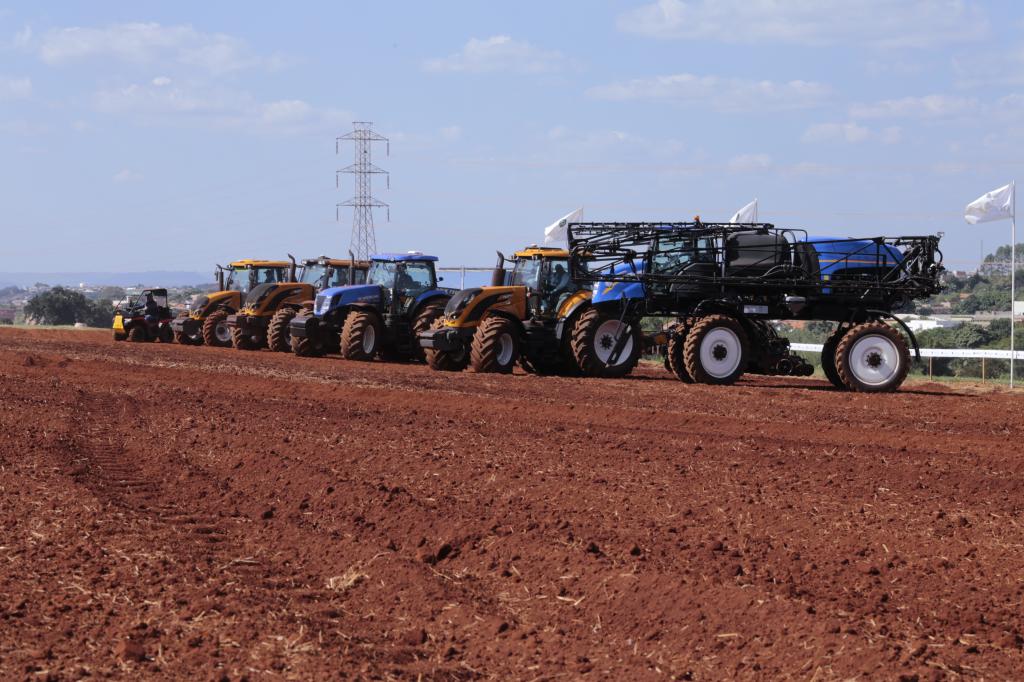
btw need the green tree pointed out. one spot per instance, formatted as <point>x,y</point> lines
<point>65,306</point>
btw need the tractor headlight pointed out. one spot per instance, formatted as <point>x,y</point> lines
<point>323,304</point>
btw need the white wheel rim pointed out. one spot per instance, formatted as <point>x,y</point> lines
<point>604,342</point>
<point>222,332</point>
<point>720,352</point>
<point>874,359</point>
<point>505,347</point>
<point>369,339</point>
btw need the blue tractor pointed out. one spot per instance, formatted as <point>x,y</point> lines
<point>726,283</point>
<point>381,317</point>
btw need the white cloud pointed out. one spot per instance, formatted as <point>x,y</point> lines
<point>851,133</point>
<point>721,94</point>
<point>127,175</point>
<point>161,81</point>
<point>878,23</point>
<point>499,53</point>
<point>15,88</point>
<point>451,133</point>
<point>192,104</point>
<point>748,163</point>
<point>146,43</point>
<point>929,106</point>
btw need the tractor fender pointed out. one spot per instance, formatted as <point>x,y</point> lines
<point>429,297</point>
<point>571,308</point>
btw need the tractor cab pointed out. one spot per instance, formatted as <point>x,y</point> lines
<point>545,274</point>
<point>403,277</point>
<point>245,275</point>
<point>323,272</point>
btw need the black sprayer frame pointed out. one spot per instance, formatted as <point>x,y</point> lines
<point>610,252</point>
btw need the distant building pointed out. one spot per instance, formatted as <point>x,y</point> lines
<point>919,323</point>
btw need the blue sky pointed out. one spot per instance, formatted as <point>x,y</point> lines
<point>143,135</point>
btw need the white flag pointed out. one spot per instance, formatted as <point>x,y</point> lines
<point>994,205</point>
<point>747,214</point>
<point>556,231</point>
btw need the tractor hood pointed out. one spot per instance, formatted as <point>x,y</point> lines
<point>334,297</point>
<point>606,292</point>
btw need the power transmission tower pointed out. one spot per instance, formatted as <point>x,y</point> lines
<point>364,240</point>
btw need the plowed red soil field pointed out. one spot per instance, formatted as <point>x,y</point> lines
<point>206,513</point>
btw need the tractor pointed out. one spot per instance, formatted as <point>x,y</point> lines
<point>146,317</point>
<point>726,283</point>
<point>527,316</point>
<point>383,316</point>
<point>206,319</point>
<point>264,318</point>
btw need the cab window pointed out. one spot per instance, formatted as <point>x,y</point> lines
<point>415,277</point>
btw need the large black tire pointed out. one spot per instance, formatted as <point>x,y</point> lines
<point>361,336</point>
<point>306,347</point>
<point>164,334</point>
<point>185,340</point>
<point>495,346</point>
<point>674,354</point>
<point>215,329</point>
<point>279,337</point>
<point>593,337</point>
<point>424,320</point>
<point>828,361</point>
<point>138,334</point>
<point>240,340</point>
<point>872,358</point>
<point>119,336</point>
<point>446,361</point>
<point>716,350</point>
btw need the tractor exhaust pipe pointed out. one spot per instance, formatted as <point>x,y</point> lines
<point>498,276</point>
<point>291,270</point>
<point>351,267</point>
<point>219,276</point>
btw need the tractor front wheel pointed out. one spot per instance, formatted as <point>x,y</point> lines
<point>215,329</point>
<point>186,340</point>
<point>446,360</point>
<point>240,340</point>
<point>593,344</point>
<point>361,335</point>
<point>716,350</point>
<point>425,319</point>
<point>872,358</point>
<point>675,355</point>
<point>828,361</point>
<point>495,346</point>
<point>138,334</point>
<point>306,347</point>
<point>279,337</point>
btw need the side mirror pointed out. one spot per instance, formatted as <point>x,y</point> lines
<point>440,279</point>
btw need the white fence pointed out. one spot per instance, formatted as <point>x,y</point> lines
<point>936,352</point>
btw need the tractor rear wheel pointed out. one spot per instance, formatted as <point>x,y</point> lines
<point>215,329</point>
<point>240,340</point>
<point>279,336</point>
<point>674,354</point>
<point>138,334</point>
<point>872,358</point>
<point>446,360</point>
<point>425,319</point>
<point>828,361</point>
<point>716,350</point>
<point>361,335</point>
<point>593,341</point>
<point>495,346</point>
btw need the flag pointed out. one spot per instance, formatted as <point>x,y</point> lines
<point>556,231</point>
<point>747,214</point>
<point>994,205</point>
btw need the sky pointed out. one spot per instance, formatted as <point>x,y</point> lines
<point>172,136</point>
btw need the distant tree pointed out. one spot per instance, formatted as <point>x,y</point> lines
<point>971,336</point>
<point>66,306</point>
<point>110,294</point>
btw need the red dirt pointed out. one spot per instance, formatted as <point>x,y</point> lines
<point>183,512</point>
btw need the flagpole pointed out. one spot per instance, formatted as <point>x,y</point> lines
<point>1013,268</point>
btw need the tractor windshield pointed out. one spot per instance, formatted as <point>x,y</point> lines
<point>526,273</point>
<point>415,277</point>
<point>339,276</point>
<point>313,273</point>
<point>383,273</point>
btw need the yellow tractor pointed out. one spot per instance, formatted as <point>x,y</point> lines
<point>206,319</point>
<point>269,308</point>
<point>527,316</point>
